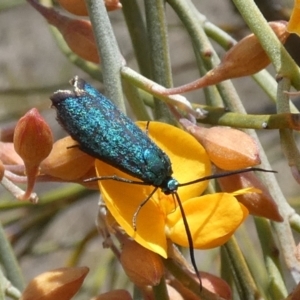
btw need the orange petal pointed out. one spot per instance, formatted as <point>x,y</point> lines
<point>212,220</point>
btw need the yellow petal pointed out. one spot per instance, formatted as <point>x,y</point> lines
<point>189,159</point>
<point>123,200</point>
<point>294,22</point>
<point>189,162</point>
<point>212,220</point>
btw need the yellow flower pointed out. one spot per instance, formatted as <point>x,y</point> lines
<point>212,218</point>
<point>294,22</point>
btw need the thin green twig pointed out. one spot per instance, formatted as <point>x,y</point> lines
<point>277,287</point>
<point>107,46</point>
<point>9,261</point>
<point>221,117</point>
<point>160,291</point>
<point>243,279</point>
<point>159,53</point>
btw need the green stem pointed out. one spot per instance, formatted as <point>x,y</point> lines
<point>269,85</point>
<point>217,34</point>
<point>186,11</point>
<point>159,52</point>
<point>148,85</point>
<point>8,4</point>
<point>226,269</point>
<point>283,229</point>
<point>9,262</point>
<point>277,287</point>
<point>3,282</point>
<point>219,116</point>
<point>108,50</point>
<point>160,290</point>
<point>135,101</point>
<point>211,93</point>
<point>287,139</point>
<point>253,259</point>
<point>138,35</point>
<point>243,279</point>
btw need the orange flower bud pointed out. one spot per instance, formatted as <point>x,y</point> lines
<point>78,7</point>
<point>33,142</point>
<point>258,204</point>
<point>8,155</point>
<point>78,34</point>
<point>141,265</point>
<point>58,284</point>
<point>245,58</point>
<point>33,138</point>
<point>66,161</point>
<point>114,295</point>
<point>220,144</point>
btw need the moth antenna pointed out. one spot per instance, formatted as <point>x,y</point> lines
<point>190,240</point>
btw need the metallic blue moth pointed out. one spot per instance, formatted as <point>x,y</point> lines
<point>105,133</point>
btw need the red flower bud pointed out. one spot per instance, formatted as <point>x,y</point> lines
<point>33,142</point>
<point>33,138</point>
